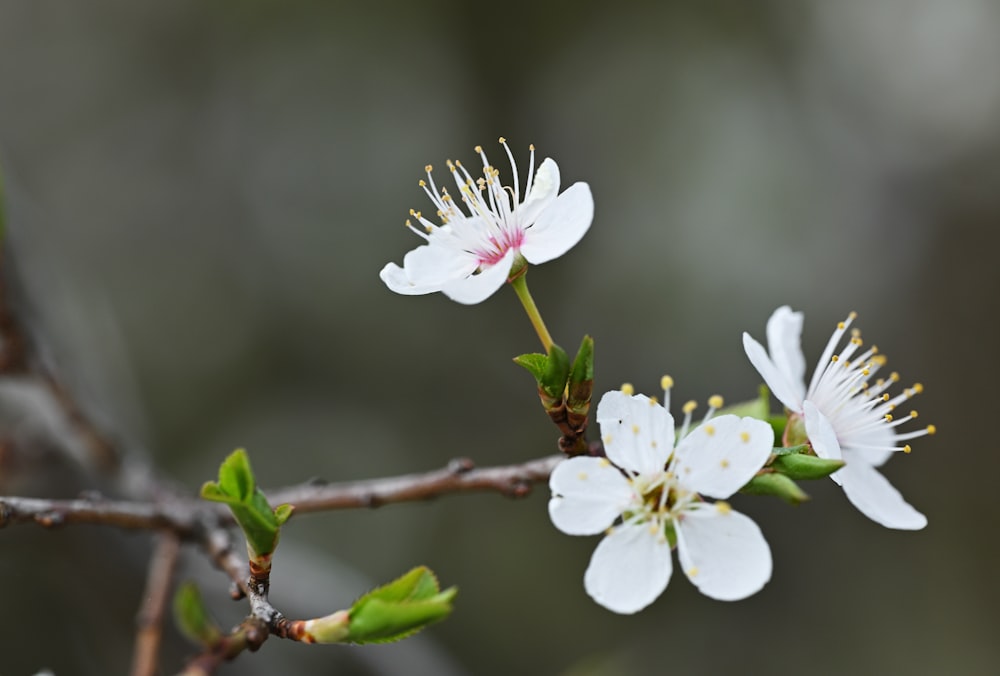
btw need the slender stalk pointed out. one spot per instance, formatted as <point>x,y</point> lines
<point>520,284</point>
<point>155,600</point>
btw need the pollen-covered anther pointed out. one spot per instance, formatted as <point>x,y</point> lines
<point>689,406</point>
<point>627,388</point>
<point>913,414</point>
<point>888,417</point>
<point>723,507</point>
<point>918,388</point>
<point>906,448</point>
<point>502,139</point>
<point>932,429</point>
<point>715,401</point>
<point>666,382</point>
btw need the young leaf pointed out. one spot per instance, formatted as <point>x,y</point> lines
<point>399,608</point>
<point>192,617</point>
<point>581,378</point>
<point>777,485</point>
<point>799,466</point>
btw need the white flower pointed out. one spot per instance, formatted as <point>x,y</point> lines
<point>469,257</point>
<point>845,417</point>
<point>656,491</point>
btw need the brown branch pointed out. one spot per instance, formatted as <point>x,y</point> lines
<point>460,476</point>
<point>150,617</point>
<point>182,516</point>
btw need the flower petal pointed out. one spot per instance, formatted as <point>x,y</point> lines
<point>723,552</point>
<point>719,457</point>
<point>427,269</point>
<point>560,226</point>
<point>477,288</point>
<point>875,497</point>
<point>629,569</point>
<point>786,392</point>
<point>588,495</point>
<point>638,433</point>
<point>541,192</point>
<point>820,431</point>
<point>784,344</point>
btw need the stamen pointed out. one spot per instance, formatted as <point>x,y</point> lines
<point>628,389</point>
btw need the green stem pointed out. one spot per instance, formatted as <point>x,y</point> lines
<point>520,285</point>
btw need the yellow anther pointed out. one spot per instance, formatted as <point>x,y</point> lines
<point>918,388</point>
<point>715,401</point>
<point>531,146</point>
<point>692,571</point>
<point>888,417</point>
<point>874,349</point>
<point>931,429</point>
<point>422,183</point>
<point>885,397</point>
<point>745,437</point>
<point>723,507</point>
<point>479,149</point>
<point>724,463</point>
<point>458,163</point>
<point>635,429</point>
<point>853,315</point>
<point>690,406</point>
<point>428,168</point>
<point>894,377</point>
<point>605,462</point>
<point>503,140</point>
<point>892,407</point>
<point>840,326</point>
<point>710,430</point>
<point>906,448</point>
<point>865,372</point>
<point>666,382</point>
<point>913,414</point>
<point>409,224</point>
<point>835,358</point>
<point>628,389</point>
<point>582,476</point>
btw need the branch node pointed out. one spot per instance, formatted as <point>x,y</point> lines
<point>461,465</point>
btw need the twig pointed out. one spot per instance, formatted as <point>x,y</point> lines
<point>150,617</point>
<point>459,476</point>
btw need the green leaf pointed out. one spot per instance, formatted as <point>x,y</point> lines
<point>192,617</point>
<point>775,484</point>
<point>534,362</point>
<point>799,466</point>
<point>399,608</point>
<point>237,487</point>
<point>556,372</point>
<point>581,378</point>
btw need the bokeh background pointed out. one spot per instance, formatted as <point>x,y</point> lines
<point>201,194</point>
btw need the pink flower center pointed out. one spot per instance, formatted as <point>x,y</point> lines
<point>498,246</point>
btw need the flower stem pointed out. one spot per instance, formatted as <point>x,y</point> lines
<point>520,284</point>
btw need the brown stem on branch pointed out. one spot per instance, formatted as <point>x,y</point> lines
<point>150,617</point>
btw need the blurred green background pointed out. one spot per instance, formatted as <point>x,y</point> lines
<point>201,195</point>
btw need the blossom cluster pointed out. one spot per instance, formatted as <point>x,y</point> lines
<point>651,485</point>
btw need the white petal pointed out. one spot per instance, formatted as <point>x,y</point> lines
<point>787,392</point>
<point>723,553</point>
<point>588,495</point>
<point>719,457</point>
<point>820,431</point>
<point>875,497</point>
<point>477,288</point>
<point>638,433</point>
<point>544,188</point>
<point>784,343</point>
<point>629,569</point>
<point>560,226</point>
<point>427,269</point>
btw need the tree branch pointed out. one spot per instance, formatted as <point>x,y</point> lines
<point>150,617</point>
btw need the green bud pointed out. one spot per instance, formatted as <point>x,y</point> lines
<point>800,466</point>
<point>581,379</point>
<point>192,617</point>
<point>550,372</point>
<point>795,431</point>
<point>400,608</point>
<point>237,487</point>
<point>778,485</point>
